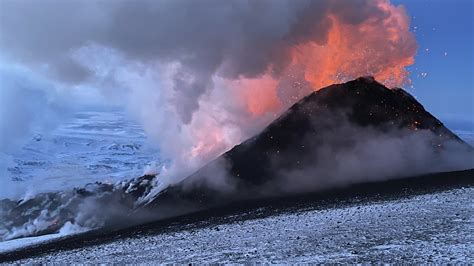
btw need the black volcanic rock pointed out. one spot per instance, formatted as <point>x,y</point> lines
<point>92,206</point>
<point>286,143</point>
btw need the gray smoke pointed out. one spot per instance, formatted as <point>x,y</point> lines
<point>234,38</point>
<point>177,65</point>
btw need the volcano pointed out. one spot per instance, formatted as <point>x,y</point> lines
<point>337,137</point>
<point>329,129</point>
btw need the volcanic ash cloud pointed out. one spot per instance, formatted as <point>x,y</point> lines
<point>203,76</point>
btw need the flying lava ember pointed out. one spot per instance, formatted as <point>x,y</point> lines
<point>380,46</point>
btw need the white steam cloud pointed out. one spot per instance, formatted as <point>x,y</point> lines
<point>200,75</point>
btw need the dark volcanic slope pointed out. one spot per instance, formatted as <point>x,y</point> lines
<point>364,101</point>
<point>330,117</point>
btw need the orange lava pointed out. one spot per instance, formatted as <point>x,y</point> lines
<point>381,46</point>
<point>259,95</point>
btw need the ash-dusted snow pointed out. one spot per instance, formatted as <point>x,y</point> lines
<point>428,228</point>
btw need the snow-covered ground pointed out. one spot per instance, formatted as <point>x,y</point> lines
<point>428,228</point>
<point>17,243</point>
<point>93,146</point>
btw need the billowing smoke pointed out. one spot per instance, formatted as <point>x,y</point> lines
<point>203,75</point>
<point>24,101</point>
<point>27,106</point>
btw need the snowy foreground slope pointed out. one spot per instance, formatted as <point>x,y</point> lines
<point>436,227</point>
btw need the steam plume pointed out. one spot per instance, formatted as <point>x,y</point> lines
<point>203,75</point>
